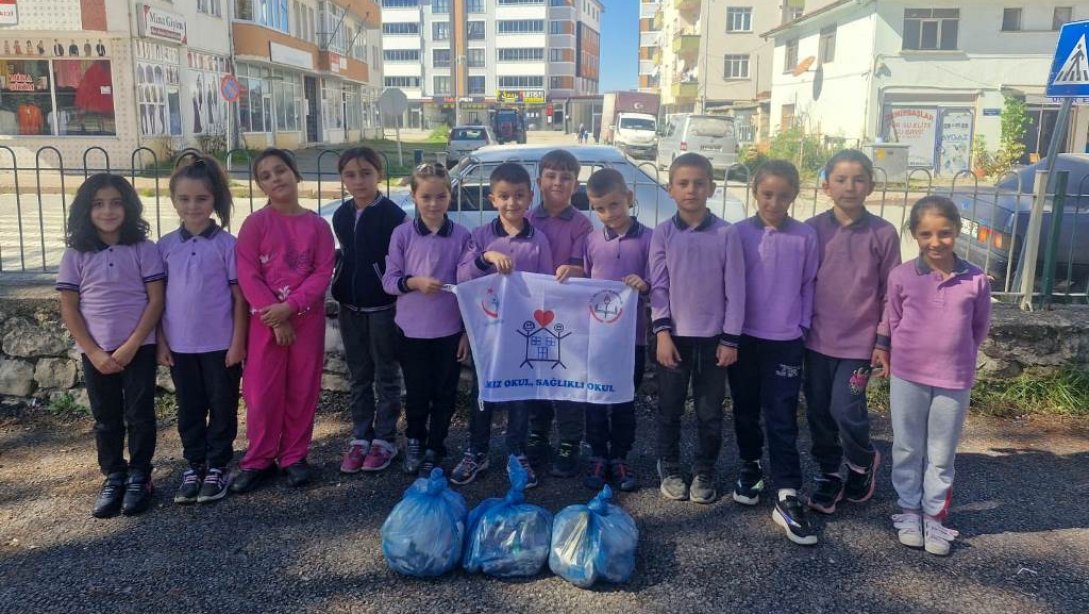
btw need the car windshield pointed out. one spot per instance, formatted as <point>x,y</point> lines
<point>467,134</point>
<point>637,123</point>
<point>710,126</point>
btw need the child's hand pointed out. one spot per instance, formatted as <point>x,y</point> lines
<point>104,362</point>
<point>426,285</point>
<point>274,315</point>
<point>163,355</point>
<point>236,354</point>
<point>725,355</point>
<point>637,283</point>
<point>880,363</point>
<point>124,354</point>
<point>463,349</point>
<point>668,356</point>
<point>500,261</point>
<point>567,271</point>
<point>285,334</point>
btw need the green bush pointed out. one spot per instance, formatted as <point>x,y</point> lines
<point>439,134</point>
<point>806,151</point>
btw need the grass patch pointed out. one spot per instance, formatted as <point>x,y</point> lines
<point>65,406</point>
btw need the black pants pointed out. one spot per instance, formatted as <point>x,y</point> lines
<point>839,422</point>
<point>709,389</point>
<point>768,376</point>
<point>431,373</point>
<point>480,426</point>
<point>207,393</point>
<point>610,429</point>
<point>569,417</point>
<point>124,403</point>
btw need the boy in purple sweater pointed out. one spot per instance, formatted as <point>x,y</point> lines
<point>697,304</point>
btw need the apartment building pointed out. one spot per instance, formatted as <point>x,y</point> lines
<point>650,26</point>
<point>456,60</point>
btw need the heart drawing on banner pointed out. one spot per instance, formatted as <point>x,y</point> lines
<point>544,318</point>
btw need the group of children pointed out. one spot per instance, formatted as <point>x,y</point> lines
<point>758,304</point>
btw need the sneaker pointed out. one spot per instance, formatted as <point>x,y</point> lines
<point>750,483</point>
<point>353,458</point>
<point>413,456</point>
<point>430,461</point>
<point>138,491</point>
<point>538,449</point>
<point>108,503</point>
<point>190,486</point>
<point>673,486</point>
<point>298,474</point>
<point>789,513</point>
<point>621,472</point>
<point>703,488</point>
<point>215,485</point>
<point>828,492</point>
<point>909,528</point>
<point>248,479</point>
<point>380,456</point>
<point>531,475</point>
<point>938,539</point>
<point>595,474</point>
<point>471,464</point>
<point>860,486</point>
<point>566,463</point>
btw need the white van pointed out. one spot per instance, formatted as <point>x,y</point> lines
<point>712,136</point>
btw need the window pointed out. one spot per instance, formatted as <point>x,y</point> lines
<point>442,86</point>
<point>475,30</point>
<point>521,1</point>
<point>254,103</point>
<point>401,28</point>
<point>791,55</point>
<point>555,55</point>
<point>475,58</point>
<point>1011,20</point>
<point>521,54</point>
<point>736,67</point>
<point>520,82</point>
<point>739,19</point>
<point>828,44</point>
<point>520,26</point>
<point>440,58</point>
<point>474,6</point>
<point>556,27</point>
<point>401,55</point>
<point>786,121</point>
<point>477,85</point>
<point>402,82</point>
<point>931,29</point>
<point>269,13</point>
<point>1062,15</point>
<point>395,4</point>
<point>210,7</point>
<point>440,6</point>
<point>440,31</point>
<point>288,102</point>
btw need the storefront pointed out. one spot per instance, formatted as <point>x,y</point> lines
<point>939,134</point>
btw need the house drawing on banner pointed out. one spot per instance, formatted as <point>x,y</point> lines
<point>542,344</point>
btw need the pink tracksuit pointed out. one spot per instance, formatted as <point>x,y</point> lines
<point>283,258</point>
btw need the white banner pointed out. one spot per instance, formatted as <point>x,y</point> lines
<point>534,338</point>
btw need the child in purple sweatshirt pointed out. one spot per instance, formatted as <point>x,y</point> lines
<point>697,304</point>
<point>939,312</point>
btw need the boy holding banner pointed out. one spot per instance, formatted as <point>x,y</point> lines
<point>697,303</point>
<point>506,244</point>
<point>618,252</point>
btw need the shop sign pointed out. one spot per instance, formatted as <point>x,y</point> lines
<point>290,56</point>
<point>9,13</point>
<point>21,82</point>
<point>162,24</point>
<point>917,127</point>
<point>521,96</point>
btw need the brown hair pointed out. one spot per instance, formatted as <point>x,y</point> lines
<point>558,160</point>
<point>849,155</point>
<point>201,166</point>
<point>605,181</point>
<point>274,152</point>
<point>365,154</point>
<point>778,168</point>
<point>938,204</point>
<point>429,170</point>
<point>692,160</point>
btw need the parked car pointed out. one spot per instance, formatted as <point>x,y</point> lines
<point>710,135</point>
<point>465,140</point>
<point>995,222</point>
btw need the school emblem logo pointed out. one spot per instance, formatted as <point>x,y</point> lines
<point>542,343</point>
<point>606,306</point>
<point>490,304</point>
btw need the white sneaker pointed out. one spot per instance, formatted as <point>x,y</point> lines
<point>938,538</point>
<point>909,528</point>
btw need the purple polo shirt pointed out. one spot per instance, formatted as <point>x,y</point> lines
<point>612,256</point>
<point>780,269</point>
<point>110,282</point>
<point>850,294</point>
<point>697,279</point>
<point>415,250</point>
<point>529,249</point>
<point>938,325</point>
<point>566,232</point>
<point>200,271</point>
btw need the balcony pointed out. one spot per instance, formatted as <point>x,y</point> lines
<point>647,67</point>
<point>649,39</point>
<point>686,91</point>
<point>686,45</point>
<point>648,10</point>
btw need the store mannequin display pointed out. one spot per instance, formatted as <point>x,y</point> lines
<point>100,49</point>
<point>73,49</point>
<point>58,48</point>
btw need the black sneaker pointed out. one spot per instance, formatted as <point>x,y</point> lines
<point>108,503</point>
<point>566,463</point>
<point>138,491</point>
<point>860,486</point>
<point>538,448</point>
<point>298,474</point>
<point>789,513</point>
<point>430,461</point>
<point>827,493</point>
<point>215,485</point>
<point>596,472</point>
<point>189,488</point>
<point>470,466</point>
<point>531,476</point>
<point>750,483</point>
<point>703,488</point>
<point>620,471</point>
<point>413,456</point>
<point>248,479</point>
<point>673,486</point>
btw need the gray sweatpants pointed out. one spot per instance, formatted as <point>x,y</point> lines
<point>926,426</point>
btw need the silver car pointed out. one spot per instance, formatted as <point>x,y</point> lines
<point>466,139</point>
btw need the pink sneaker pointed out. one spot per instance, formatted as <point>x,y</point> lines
<point>355,456</point>
<point>380,455</point>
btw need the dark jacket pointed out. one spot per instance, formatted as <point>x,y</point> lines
<point>361,260</point>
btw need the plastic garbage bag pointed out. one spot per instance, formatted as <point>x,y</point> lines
<point>424,533</point>
<point>508,537</point>
<point>594,541</point>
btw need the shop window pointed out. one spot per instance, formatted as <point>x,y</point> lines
<point>157,99</point>
<point>26,106</point>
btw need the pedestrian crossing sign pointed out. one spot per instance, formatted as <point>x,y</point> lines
<point>1069,77</point>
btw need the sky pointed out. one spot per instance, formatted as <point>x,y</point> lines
<point>619,45</point>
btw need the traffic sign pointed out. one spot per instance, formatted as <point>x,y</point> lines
<point>392,101</point>
<point>1069,77</point>
<point>230,88</point>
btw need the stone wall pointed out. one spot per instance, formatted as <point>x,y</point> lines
<point>38,359</point>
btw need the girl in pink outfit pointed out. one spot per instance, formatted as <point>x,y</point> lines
<point>285,262</point>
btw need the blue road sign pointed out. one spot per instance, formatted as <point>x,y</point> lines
<point>1069,77</point>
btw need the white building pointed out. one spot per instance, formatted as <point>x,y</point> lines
<point>469,56</point>
<point>929,74</point>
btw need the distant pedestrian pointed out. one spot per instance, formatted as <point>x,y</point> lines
<point>582,133</point>
<point>939,312</point>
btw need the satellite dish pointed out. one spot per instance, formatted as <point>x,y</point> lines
<point>803,66</point>
<point>818,82</point>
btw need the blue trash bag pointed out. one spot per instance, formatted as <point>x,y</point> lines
<point>508,537</point>
<point>592,542</point>
<point>424,533</point>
